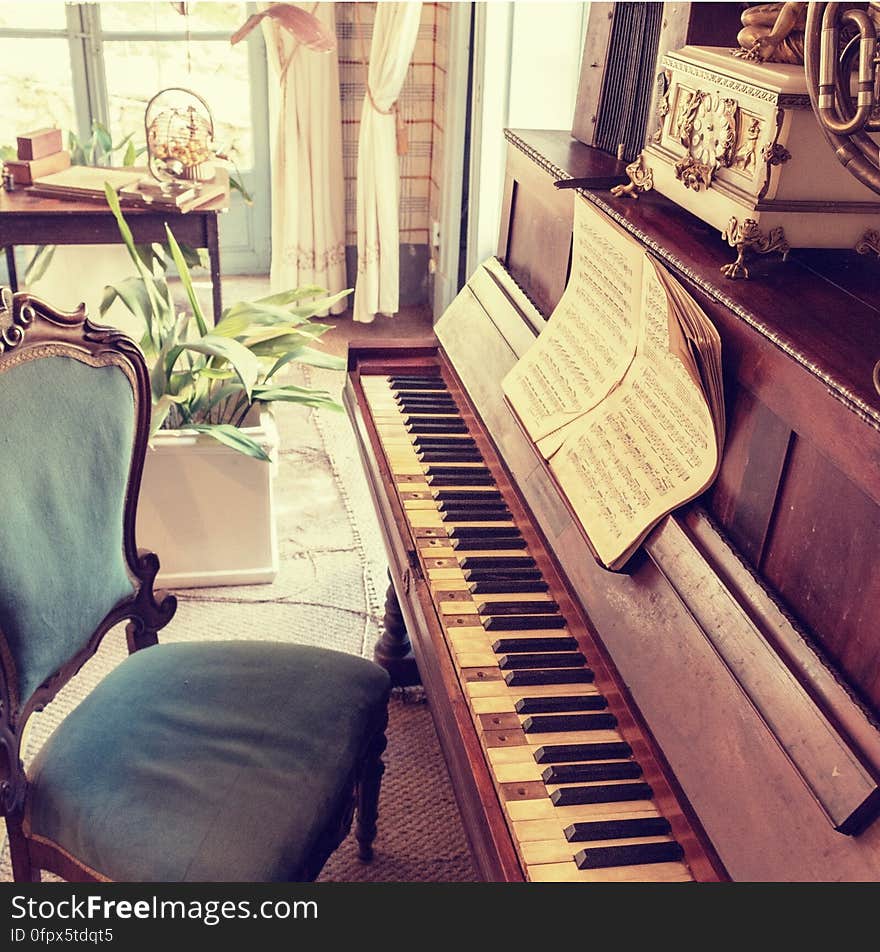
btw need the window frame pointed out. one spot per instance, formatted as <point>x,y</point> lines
<point>246,246</point>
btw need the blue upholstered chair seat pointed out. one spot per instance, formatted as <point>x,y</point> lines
<point>223,761</point>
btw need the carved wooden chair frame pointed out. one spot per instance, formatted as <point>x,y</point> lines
<point>30,328</point>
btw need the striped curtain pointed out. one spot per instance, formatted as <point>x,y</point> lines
<point>378,171</point>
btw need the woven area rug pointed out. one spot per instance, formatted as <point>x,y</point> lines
<point>329,591</point>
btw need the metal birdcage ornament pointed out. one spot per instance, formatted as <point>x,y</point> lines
<point>180,137</point>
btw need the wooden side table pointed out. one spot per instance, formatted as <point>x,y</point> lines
<point>27,219</point>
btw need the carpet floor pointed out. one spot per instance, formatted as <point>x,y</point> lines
<point>329,591</point>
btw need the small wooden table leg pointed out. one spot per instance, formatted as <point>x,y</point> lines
<point>214,259</point>
<point>393,650</point>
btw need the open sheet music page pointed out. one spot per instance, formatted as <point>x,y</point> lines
<point>645,450</point>
<point>590,338</point>
<point>621,392</point>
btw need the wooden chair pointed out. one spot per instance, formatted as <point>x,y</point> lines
<point>215,761</point>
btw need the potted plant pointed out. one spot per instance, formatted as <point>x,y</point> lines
<point>206,504</point>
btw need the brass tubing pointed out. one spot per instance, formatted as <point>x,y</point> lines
<point>858,153</point>
<point>830,93</point>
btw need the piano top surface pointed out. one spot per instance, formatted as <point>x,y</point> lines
<point>820,306</point>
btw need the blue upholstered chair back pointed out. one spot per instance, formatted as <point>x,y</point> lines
<point>66,432</point>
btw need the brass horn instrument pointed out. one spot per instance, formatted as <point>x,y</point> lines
<point>843,79</point>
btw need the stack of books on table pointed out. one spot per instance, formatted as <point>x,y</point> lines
<point>134,188</point>
<point>39,153</point>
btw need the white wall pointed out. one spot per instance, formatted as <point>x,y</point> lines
<point>526,70</point>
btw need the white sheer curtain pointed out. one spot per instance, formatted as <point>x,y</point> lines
<point>378,171</point>
<point>308,193</point>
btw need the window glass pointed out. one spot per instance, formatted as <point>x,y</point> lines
<point>33,16</point>
<point>34,99</point>
<point>163,18</point>
<point>137,70</point>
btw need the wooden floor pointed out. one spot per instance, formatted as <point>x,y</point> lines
<point>411,322</point>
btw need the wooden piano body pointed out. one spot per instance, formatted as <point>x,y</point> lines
<point>742,641</point>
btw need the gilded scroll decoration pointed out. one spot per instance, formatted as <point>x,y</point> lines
<point>746,236</point>
<point>869,242</point>
<point>641,179</point>
<point>705,124</point>
<point>16,317</point>
<point>745,157</point>
<point>775,154</point>
<point>664,85</point>
<point>693,174</point>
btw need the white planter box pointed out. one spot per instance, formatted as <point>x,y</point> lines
<point>208,511</point>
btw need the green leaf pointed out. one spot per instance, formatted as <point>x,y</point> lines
<point>294,294</point>
<point>161,408</point>
<point>324,304</point>
<point>130,156</point>
<point>293,394</point>
<point>245,364</point>
<point>37,266</point>
<point>132,291</point>
<point>192,256</point>
<point>102,137</point>
<point>186,280</point>
<point>231,436</point>
<point>317,358</point>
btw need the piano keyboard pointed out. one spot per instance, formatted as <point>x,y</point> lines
<point>574,797</point>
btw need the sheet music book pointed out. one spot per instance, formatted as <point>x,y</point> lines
<point>622,390</point>
<point>84,181</point>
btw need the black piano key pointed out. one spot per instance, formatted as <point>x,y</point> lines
<point>508,586</point>
<point>419,398</point>
<point>494,510</point>
<point>402,395</point>
<point>414,386</point>
<point>405,382</point>
<point>466,545</point>
<point>431,419</point>
<point>518,608</point>
<point>498,562</point>
<point>520,662</point>
<point>459,480</point>
<point>423,408</point>
<point>553,705</point>
<point>592,773</point>
<point>637,854</point>
<point>470,532</point>
<point>435,441</point>
<point>453,426</point>
<point>443,505</point>
<point>503,645</point>
<point>533,676</point>
<point>522,622</point>
<point>476,515</point>
<point>456,471</point>
<point>448,495</point>
<point>590,830</point>
<point>449,456</point>
<point>569,753</point>
<point>601,793</point>
<point>502,575</point>
<point>553,723</point>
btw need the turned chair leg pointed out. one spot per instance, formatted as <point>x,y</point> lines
<point>368,797</point>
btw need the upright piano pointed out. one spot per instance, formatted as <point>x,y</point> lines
<point>710,712</point>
